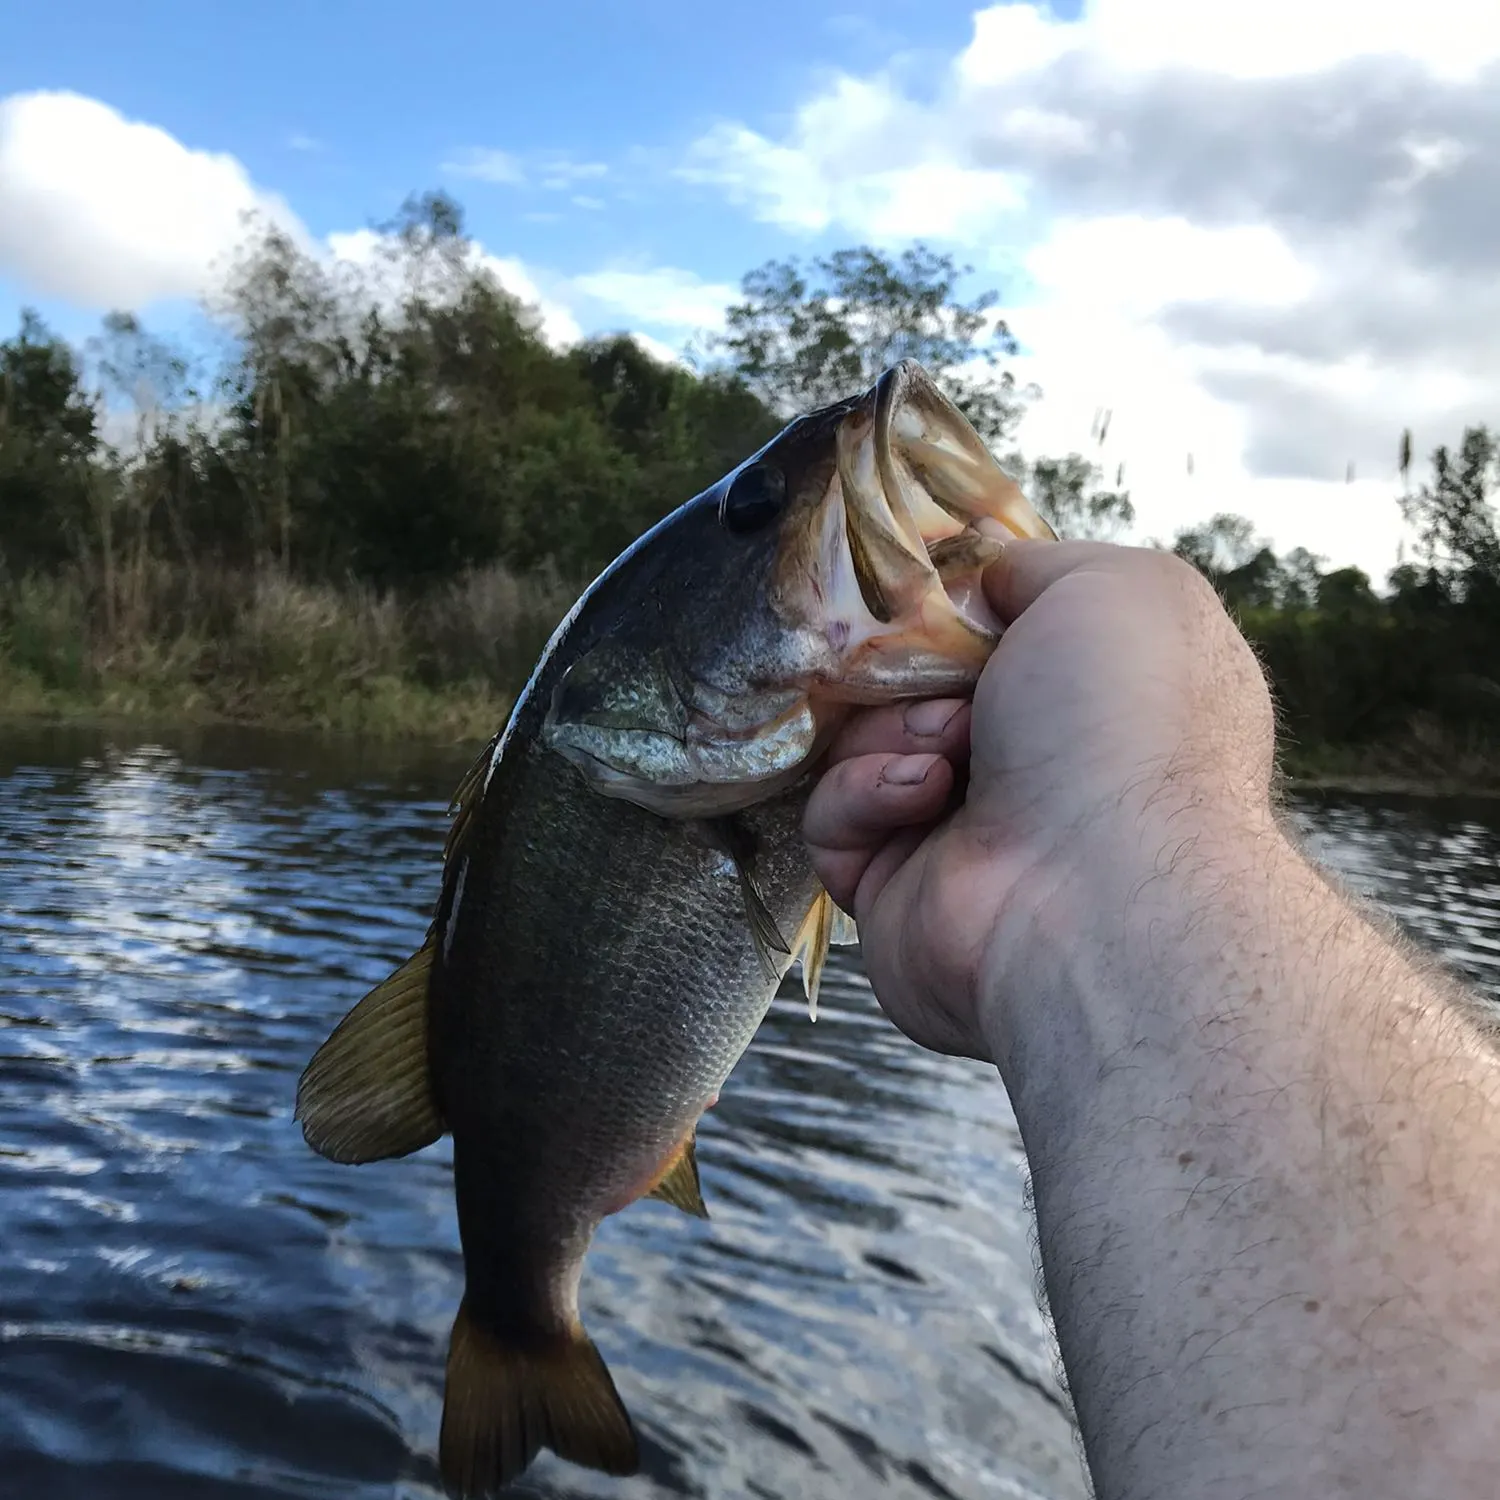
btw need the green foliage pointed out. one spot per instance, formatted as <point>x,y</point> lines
<point>1452,515</point>
<point>1405,680</point>
<point>48,438</point>
<point>1344,592</point>
<point>374,512</point>
<point>805,336</point>
<point>44,630</point>
<point>1066,491</point>
<point>405,421</point>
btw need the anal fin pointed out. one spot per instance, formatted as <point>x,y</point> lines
<point>367,1093</point>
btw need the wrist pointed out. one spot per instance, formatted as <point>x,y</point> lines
<point>1117,907</point>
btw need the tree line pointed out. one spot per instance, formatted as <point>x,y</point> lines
<point>400,425</point>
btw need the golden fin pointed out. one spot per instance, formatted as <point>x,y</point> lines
<point>466,799</point>
<point>845,932</point>
<point>679,1184</point>
<point>367,1093</point>
<point>504,1404</point>
<point>825,925</point>
<point>810,948</point>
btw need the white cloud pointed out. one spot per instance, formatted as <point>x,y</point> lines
<point>487,165</point>
<point>664,353</point>
<point>362,248</point>
<point>106,212</point>
<point>560,172</point>
<point>559,326</point>
<point>553,170</point>
<point>664,297</point>
<point>1266,232</point>
<point>861,154</point>
<point>1453,39</point>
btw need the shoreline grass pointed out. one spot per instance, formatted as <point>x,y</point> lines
<point>389,708</point>
<point>263,650</point>
<point>260,650</point>
<point>396,711</point>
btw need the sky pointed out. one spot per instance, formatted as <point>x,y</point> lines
<point>1263,235</point>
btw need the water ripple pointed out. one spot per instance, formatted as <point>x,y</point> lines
<point>194,1304</point>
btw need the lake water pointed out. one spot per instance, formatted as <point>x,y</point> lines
<point>194,1304</point>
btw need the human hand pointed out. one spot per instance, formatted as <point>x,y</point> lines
<point>1121,710</point>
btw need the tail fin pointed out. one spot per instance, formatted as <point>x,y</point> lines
<point>503,1405</point>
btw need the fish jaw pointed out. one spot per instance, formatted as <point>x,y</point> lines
<point>887,572</point>
<point>680,760</point>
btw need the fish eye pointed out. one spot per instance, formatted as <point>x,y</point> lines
<point>754,498</point>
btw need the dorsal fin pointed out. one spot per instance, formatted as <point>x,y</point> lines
<point>367,1093</point>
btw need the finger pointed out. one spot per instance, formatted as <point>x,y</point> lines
<point>1027,569</point>
<point>883,864</point>
<point>936,726</point>
<point>859,804</point>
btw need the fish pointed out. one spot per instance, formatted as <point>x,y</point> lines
<point>625,885</point>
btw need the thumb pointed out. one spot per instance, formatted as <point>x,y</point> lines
<point>1026,569</point>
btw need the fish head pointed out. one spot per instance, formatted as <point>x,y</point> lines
<point>840,565</point>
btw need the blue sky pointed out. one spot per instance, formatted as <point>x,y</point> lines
<point>1262,233</point>
<point>343,108</point>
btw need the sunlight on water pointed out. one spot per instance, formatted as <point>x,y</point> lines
<point>194,1304</point>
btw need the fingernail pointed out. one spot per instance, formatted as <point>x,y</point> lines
<point>929,719</point>
<point>908,770</point>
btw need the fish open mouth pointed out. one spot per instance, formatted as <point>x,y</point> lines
<point>884,512</point>
<point>916,509</point>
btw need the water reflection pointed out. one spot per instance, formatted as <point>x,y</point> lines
<point>1433,864</point>
<point>192,1303</point>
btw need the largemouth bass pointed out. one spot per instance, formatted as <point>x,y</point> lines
<point>625,885</point>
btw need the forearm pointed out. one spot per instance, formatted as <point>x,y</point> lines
<point>1264,1150</point>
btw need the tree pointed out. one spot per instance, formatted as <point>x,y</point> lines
<point>1245,570</point>
<point>1454,521</point>
<point>1218,546</point>
<point>41,392</point>
<point>1302,579</point>
<point>1066,491</point>
<point>1346,591</point>
<point>48,437</point>
<point>806,336</point>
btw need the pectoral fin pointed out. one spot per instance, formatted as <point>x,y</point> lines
<point>680,1185</point>
<point>770,946</point>
<point>727,836</point>
<point>825,925</point>
<point>367,1093</point>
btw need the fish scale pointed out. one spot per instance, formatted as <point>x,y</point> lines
<point>605,1090</point>
<point>625,883</point>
